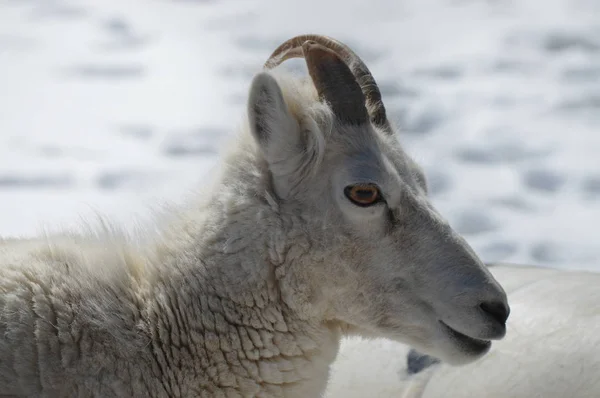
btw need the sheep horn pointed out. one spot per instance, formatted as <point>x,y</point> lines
<point>292,48</point>
<point>335,83</point>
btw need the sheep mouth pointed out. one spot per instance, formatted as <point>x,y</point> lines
<point>466,343</point>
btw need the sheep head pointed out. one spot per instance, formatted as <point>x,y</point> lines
<point>382,261</point>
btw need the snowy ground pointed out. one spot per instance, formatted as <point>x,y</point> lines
<point>117,106</point>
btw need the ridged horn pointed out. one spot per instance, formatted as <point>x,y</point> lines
<point>292,48</point>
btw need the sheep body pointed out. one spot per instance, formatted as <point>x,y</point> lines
<point>103,319</point>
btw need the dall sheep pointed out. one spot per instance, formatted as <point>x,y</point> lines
<point>318,226</point>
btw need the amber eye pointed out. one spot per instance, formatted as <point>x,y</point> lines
<point>363,194</point>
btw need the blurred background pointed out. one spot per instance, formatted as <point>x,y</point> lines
<point>117,106</point>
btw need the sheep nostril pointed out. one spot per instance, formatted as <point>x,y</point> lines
<point>497,310</point>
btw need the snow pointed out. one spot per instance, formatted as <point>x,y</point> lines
<point>117,107</point>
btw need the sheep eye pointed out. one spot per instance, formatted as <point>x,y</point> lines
<point>363,194</point>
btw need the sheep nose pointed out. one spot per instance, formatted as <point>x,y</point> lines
<point>498,310</point>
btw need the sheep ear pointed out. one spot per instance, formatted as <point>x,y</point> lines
<point>276,131</point>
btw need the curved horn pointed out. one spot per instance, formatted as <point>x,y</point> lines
<point>335,83</point>
<point>292,48</point>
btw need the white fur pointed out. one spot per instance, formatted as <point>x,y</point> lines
<point>552,349</point>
